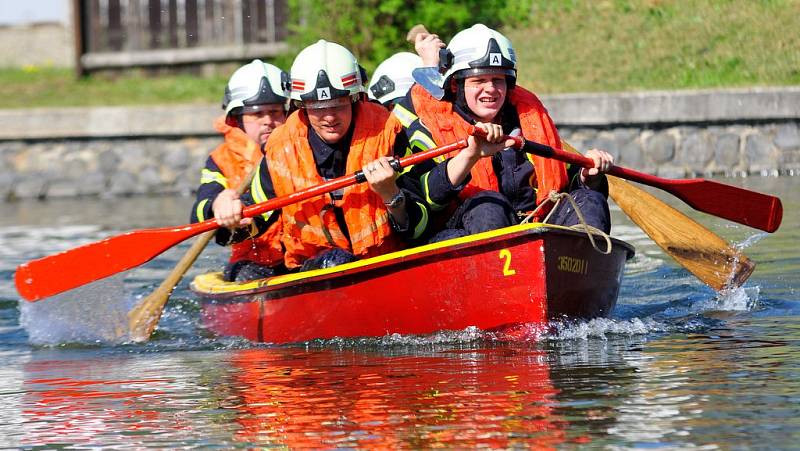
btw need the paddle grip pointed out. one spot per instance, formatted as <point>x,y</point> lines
<point>360,177</point>
<point>394,163</point>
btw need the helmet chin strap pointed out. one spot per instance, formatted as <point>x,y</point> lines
<point>235,120</point>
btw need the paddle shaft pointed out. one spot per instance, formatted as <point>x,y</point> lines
<point>70,269</point>
<point>740,205</point>
<point>144,318</point>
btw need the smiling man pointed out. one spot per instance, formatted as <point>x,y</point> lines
<point>334,132</point>
<point>489,186</point>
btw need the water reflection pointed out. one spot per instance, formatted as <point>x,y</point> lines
<point>458,397</point>
<point>106,401</point>
<point>724,387</point>
<point>496,397</point>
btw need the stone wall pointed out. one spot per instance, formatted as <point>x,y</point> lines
<point>116,151</point>
<point>102,167</point>
<point>698,149</point>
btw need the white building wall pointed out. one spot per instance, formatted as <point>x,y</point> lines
<point>36,33</point>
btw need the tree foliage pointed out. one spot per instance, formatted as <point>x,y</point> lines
<point>375,29</point>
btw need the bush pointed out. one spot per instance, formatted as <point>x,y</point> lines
<point>375,29</point>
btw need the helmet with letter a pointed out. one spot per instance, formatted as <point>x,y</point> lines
<point>324,75</point>
<point>253,86</point>
<point>478,50</point>
<point>392,78</point>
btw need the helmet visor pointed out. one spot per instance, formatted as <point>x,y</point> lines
<point>262,107</point>
<point>322,104</point>
<point>466,73</point>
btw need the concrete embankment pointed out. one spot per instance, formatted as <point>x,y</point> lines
<point>59,152</point>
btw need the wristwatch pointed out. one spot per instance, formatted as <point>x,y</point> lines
<point>397,200</point>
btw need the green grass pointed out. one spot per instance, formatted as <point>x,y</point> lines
<point>42,87</point>
<point>568,46</point>
<point>620,45</point>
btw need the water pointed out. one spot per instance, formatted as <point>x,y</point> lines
<point>677,366</point>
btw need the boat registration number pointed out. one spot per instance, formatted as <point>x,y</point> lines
<point>573,264</point>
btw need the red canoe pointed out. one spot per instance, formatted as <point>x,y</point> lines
<point>525,274</point>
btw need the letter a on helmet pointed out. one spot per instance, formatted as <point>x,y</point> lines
<point>325,71</point>
<point>253,85</point>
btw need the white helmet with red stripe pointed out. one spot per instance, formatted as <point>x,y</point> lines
<point>325,71</point>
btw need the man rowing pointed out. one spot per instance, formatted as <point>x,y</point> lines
<point>334,132</point>
<point>255,102</point>
<point>485,188</point>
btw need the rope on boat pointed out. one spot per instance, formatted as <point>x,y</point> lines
<point>556,197</point>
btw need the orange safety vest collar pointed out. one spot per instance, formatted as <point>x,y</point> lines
<point>310,226</point>
<point>235,157</point>
<point>237,154</point>
<point>445,125</point>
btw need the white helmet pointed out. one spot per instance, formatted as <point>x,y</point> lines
<point>253,85</point>
<point>325,71</point>
<point>392,78</point>
<point>478,50</point>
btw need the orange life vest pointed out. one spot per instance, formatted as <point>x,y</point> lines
<point>310,227</point>
<point>446,126</point>
<point>236,157</point>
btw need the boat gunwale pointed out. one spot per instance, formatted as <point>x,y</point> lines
<point>275,287</point>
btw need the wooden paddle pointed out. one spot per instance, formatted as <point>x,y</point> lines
<point>746,207</point>
<point>144,318</point>
<point>70,269</point>
<point>710,258</point>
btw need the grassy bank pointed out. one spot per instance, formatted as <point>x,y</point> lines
<point>568,46</point>
<point>42,87</point>
<point>620,45</point>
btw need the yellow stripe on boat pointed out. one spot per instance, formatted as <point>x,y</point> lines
<point>212,283</point>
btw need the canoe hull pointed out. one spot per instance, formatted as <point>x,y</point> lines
<point>521,275</point>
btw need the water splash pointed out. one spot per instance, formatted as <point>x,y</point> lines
<point>742,299</point>
<point>96,313</point>
<point>602,328</point>
<point>466,335</point>
<point>750,240</point>
<point>599,328</point>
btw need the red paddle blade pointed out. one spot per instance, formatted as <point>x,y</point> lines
<point>66,270</point>
<point>741,205</point>
<point>750,208</point>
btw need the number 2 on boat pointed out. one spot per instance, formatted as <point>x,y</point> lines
<point>506,254</point>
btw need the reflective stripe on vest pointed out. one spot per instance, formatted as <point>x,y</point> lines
<point>403,115</point>
<point>209,176</point>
